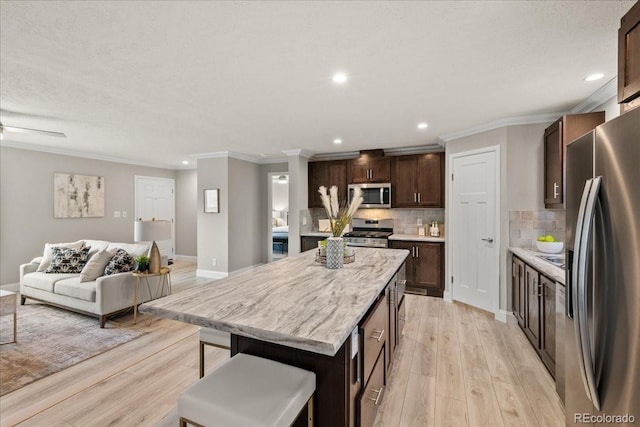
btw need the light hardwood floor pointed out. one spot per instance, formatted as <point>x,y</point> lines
<point>456,366</point>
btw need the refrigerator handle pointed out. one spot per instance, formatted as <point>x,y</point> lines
<point>581,297</point>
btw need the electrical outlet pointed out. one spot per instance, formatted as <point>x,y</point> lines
<point>124,214</point>
<point>214,261</point>
<point>304,220</point>
<point>419,221</point>
<point>116,214</point>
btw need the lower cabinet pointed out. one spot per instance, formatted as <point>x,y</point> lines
<point>534,306</point>
<point>425,266</point>
<point>308,243</point>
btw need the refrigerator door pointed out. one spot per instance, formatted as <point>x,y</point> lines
<point>579,169</point>
<point>617,267</point>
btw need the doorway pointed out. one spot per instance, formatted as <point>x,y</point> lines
<point>475,227</point>
<point>155,199</point>
<point>278,215</point>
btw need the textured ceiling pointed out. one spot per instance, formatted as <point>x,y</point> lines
<point>162,81</point>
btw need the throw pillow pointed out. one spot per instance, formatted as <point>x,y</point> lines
<point>48,253</point>
<point>68,260</point>
<point>120,263</point>
<point>96,265</point>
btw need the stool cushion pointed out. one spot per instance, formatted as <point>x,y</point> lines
<point>215,337</point>
<point>248,391</point>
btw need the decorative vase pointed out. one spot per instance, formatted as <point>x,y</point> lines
<point>335,250</point>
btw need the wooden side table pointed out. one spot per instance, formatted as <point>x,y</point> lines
<point>165,278</point>
<point>8,306</point>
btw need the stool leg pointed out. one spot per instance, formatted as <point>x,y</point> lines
<point>201,359</point>
<point>310,412</point>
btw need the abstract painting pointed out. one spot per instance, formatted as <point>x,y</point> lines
<point>78,196</point>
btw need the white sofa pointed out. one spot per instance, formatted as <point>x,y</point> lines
<point>105,296</point>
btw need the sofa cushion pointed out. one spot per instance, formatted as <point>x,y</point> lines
<point>68,260</point>
<point>73,288</point>
<point>96,246</point>
<point>94,268</point>
<point>48,254</point>
<point>120,263</point>
<point>44,281</point>
<point>134,249</point>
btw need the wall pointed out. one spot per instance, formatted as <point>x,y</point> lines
<point>213,228</point>
<point>611,108</point>
<point>299,216</point>
<point>187,212</point>
<point>26,204</point>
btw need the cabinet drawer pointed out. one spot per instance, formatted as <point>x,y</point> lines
<point>372,395</point>
<point>374,334</point>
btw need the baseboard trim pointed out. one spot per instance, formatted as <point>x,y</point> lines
<point>11,287</point>
<point>503,316</point>
<point>186,258</point>
<point>210,274</point>
<point>447,296</point>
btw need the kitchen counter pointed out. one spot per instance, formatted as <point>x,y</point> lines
<point>295,302</point>
<point>531,257</point>
<point>416,238</point>
<point>316,234</point>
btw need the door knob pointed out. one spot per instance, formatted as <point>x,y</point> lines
<point>488,239</point>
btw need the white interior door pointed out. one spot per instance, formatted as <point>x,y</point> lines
<point>155,199</point>
<point>474,229</point>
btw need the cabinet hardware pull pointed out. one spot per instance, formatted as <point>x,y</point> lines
<point>379,337</point>
<point>418,197</point>
<point>415,197</point>
<point>378,393</point>
<point>488,239</point>
<point>417,252</point>
<point>555,190</point>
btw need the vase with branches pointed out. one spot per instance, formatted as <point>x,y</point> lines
<point>339,218</point>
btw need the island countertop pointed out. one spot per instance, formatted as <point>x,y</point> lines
<point>295,302</point>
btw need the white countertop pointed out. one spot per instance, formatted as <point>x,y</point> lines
<point>295,302</point>
<point>316,234</point>
<point>530,257</point>
<point>416,238</point>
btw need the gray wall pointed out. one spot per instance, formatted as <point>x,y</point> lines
<point>26,204</point>
<point>213,228</point>
<point>187,212</point>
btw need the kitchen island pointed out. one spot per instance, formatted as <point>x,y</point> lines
<point>298,312</point>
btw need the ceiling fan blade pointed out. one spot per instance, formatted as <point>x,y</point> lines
<point>27,130</point>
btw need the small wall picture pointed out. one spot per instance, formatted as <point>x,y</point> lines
<point>78,196</point>
<point>211,201</point>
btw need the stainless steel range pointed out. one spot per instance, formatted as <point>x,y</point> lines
<point>370,233</point>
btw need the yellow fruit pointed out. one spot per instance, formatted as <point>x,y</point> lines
<point>542,238</point>
<point>550,238</point>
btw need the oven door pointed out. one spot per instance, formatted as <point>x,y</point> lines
<point>374,195</point>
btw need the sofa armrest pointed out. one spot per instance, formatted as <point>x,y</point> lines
<point>115,292</point>
<point>29,268</point>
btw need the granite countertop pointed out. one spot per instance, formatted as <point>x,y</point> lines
<point>416,238</point>
<point>316,234</point>
<point>530,257</point>
<point>295,302</point>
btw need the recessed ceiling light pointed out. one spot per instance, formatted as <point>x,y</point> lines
<point>185,162</point>
<point>422,125</point>
<point>593,77</point>
<point>337,141</point>
<point>339,78</point>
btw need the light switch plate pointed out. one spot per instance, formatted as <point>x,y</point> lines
<point>116,214</point>
<point>124,214</point>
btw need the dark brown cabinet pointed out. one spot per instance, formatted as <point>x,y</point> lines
<point>629,59</point>
<point>308,243</point>
<point>418,180</point>
<point>534,306</point>
<point>424,266</point>
<point>556,137</point>
<point>371,166</point>
<point>327,173</point>
<point>517,278</point>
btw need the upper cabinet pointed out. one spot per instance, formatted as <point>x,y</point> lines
<point>371,166</point>
<point>629,59</point>
<point>418,181</point>
<point>556,137</point>
<point>327,173</point>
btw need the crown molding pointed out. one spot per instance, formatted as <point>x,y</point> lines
<point>72,153</point>
<point>298,152</point>
<point>345,155</point>
<point>261,160</point>
<point>509,121</point>
<point>418,149</point>
<point>599,97</point>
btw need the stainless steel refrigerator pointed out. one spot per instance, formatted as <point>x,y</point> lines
<point>602,348</point>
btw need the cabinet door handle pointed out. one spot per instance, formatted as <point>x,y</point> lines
<point>379,336</point>
<point>555,190</point>
<point>488,240</point>
<point>417,252</point>
<point>418,197</point>
<point>415,197</point>
<point>377,398</point>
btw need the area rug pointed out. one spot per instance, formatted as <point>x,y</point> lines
<point>52,339</point>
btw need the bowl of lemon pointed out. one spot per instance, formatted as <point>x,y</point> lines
<point>549,245</point>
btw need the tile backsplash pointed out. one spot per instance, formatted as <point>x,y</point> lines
<point>404,220</point>
<point>526,226</point>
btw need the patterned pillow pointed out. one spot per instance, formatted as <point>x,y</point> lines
<point>67,260</point>
<point>120,263</point>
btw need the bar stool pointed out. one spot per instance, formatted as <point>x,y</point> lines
<point>214,338</point>
<point>248,391</point>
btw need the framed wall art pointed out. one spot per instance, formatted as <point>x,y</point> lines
<point>78,196</point>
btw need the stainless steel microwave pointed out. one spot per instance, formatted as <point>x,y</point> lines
<point>375,195</point>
